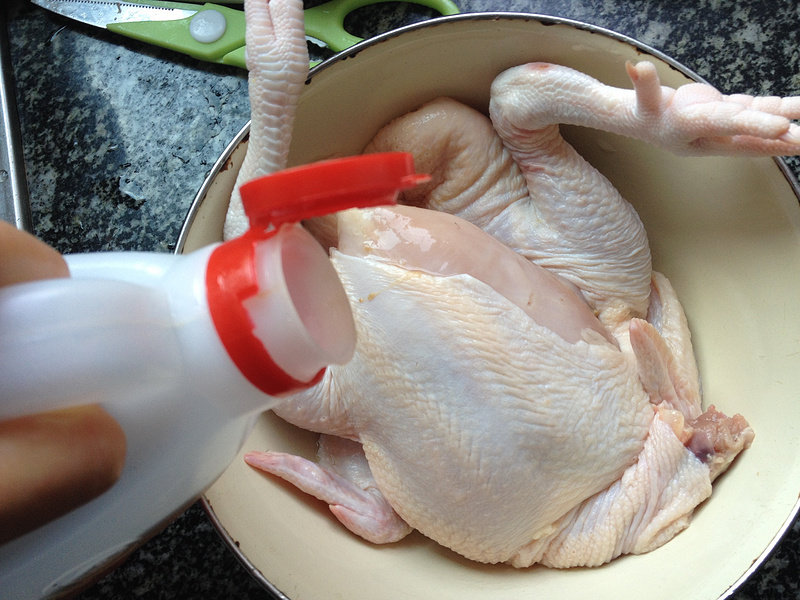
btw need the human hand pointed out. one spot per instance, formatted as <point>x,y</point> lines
<point>53,462</point>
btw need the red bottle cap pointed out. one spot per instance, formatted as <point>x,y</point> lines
<point>328,186</point>
<point>282,198</point>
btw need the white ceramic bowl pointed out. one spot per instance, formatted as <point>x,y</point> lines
<point>724,230</point>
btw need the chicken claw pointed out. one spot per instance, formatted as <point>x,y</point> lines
<point>698,119</point>
<point>693,119</point>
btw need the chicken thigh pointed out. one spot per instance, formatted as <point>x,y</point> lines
<point>524,388</point>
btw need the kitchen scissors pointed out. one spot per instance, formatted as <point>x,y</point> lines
<point>212,32</point>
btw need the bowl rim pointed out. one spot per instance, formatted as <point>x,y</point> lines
<point>222,162</point>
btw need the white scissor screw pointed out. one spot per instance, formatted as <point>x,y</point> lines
<point>207,26</point>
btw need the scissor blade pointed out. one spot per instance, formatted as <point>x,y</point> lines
<point>316,41</point>
<point>100,14</point>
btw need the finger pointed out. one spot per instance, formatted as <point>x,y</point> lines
<point>25,258</point>
<point>53,462</point>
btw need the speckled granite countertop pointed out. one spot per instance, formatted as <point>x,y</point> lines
<point>119,136</point>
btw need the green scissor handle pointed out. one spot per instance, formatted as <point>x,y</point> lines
<point>326,21</point>
<point>176,35</point>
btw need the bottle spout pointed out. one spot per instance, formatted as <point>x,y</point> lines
<point>300,313</point>
<point>274,296</point>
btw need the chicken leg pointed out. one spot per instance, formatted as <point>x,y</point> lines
<point>277,61</point>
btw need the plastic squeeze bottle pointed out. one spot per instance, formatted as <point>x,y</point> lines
<point>184,351</point>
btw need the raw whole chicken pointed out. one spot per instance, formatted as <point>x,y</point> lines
<point>524,388</point>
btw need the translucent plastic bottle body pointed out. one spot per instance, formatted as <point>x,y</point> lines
<point>184,351</point>
<point>133,332</point>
